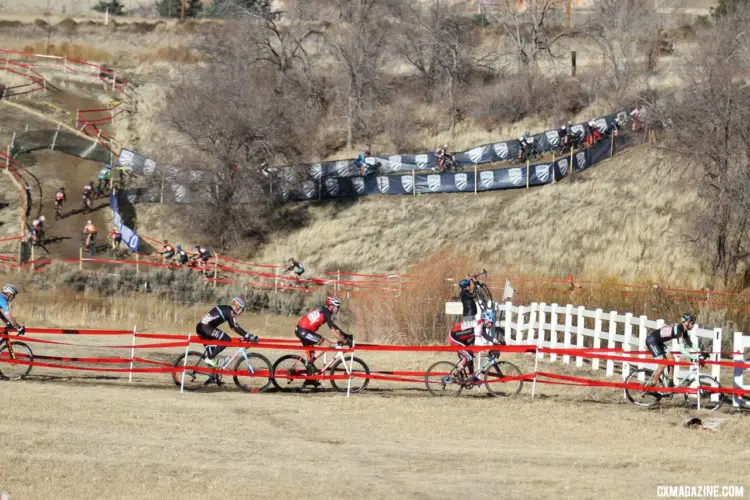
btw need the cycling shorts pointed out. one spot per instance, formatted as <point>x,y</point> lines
<point>168,255</point>
<point>466,355</point>
<point>656,346</point>
<point>307,337</point>
<point>210,333</point>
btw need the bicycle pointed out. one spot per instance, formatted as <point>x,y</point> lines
<point>15,351</point>
<point>648,398</point>
<point>88,204</point>
<point>529,154</point>
<point>481,291</point>
<point>198,374</point>
<point>58,210</point>
<point>289,371</point>
<point>445,379</point>
<point>369,168</point>
<point>449,164</point>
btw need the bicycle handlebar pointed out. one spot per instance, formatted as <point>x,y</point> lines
<point>483,273</point>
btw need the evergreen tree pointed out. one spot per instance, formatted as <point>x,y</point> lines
<point>727,7</point>
<point>114,7</point>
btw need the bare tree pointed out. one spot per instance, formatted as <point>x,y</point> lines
<point>234,118</point>
<point>709,122</point>
<point>359,49</point>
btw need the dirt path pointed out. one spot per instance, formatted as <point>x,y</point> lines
<point>59,169</point>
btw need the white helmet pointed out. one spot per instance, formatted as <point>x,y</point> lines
<point>10,290</point>
<point>445,146</point>
<point>89,222</point>
<point>41,218</point>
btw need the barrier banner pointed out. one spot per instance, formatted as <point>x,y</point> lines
<point>339,178</point>
<point>64,141</point>
<point>129,237</point>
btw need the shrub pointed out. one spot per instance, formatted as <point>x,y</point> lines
<point>114,7</point>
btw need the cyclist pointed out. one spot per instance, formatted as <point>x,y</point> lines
<point>167,251</point>
<point>593,136</point>
<point>182,256</point>
<point>207,328</point>
<point>361,163</point>
<point>524,142</point>
<point>656,344</point>
<point>90,231</point>
<point>116,236</point>
<point>467,300</point>
<point>103,177</point>
<point>6,297</point>
<point>441,154</point>
<point>562,136</point>
<point>37,229</point>
<point>202,256</point>
<point>465,334</point>
<point>59,199</point>
<point>308,325</point>
<point>295,267</point>
<point>88,190</point>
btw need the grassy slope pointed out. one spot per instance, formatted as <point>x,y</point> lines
<point>621,218</point>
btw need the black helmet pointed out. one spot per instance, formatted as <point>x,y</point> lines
<point>687,317</point>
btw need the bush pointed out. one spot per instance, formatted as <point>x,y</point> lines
<point>114,7</point>
<point>173,8</point>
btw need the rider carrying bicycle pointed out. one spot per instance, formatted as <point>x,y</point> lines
<point>656,343</point>
<point>360,162</point>
<point>468,300</point>
<point>466,333</point>
<point>6,297</point>
<point>103,179</point>
<point>441,154</point>
<point>182,256</point>
<point>207,328</point>
<point>116,236</point>
<point>295,267</point>
<point>202,256</point>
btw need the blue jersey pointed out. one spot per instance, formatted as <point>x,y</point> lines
<point>4,304</point>
<point>360,160</point>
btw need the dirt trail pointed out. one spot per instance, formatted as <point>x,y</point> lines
<point>53,170</point>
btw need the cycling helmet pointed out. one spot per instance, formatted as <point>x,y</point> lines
<point>564,126</point>
<point>10,290</point>
<point>488,316</point>
<point>570,124</point>
<point>62,189</point>
<point>178,247</point>
<point>89,222</point>
<point>527,133</point>
<point>238,305</point>
<point>333,301</point>
<point>445,146</point>
<point>464,283</point>
<point>687,317</point>
<point>41,218</point>
<point>367,152</point>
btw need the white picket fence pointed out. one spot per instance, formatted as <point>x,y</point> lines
<point>565,327</point>
<point>740,343</point>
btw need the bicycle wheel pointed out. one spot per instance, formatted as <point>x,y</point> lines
<point>197,372</point>
<point>358,375</point>
<point>289,372</point>
<point>18,366</point>
<point>639,396</point>
<point>705,395</point>
<point>499,370</point>
<point>258,372</point>
<point>443,379</point>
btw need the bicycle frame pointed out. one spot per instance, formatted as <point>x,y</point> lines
<point>692,377</point>
<point>339,355</point>
<point>8,342</point>
<point>230,359</point>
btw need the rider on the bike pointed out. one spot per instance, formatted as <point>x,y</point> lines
<point>361,163</point>
<point>103,179</point>
<point>308,325</point>
<point>656,344</point>
<point>182,256</point>
<point>116,236</point>
<point>525,142</point>
<point>167,251</point>
<point>202,256</point>
<point>207,330</point>
<point>465,334</point>
<point>441,154</point>
<point>90,231</point>
<point>60,198</point>
<point>37,229</point>
<point>6,297</point>
<point>295,267</point>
